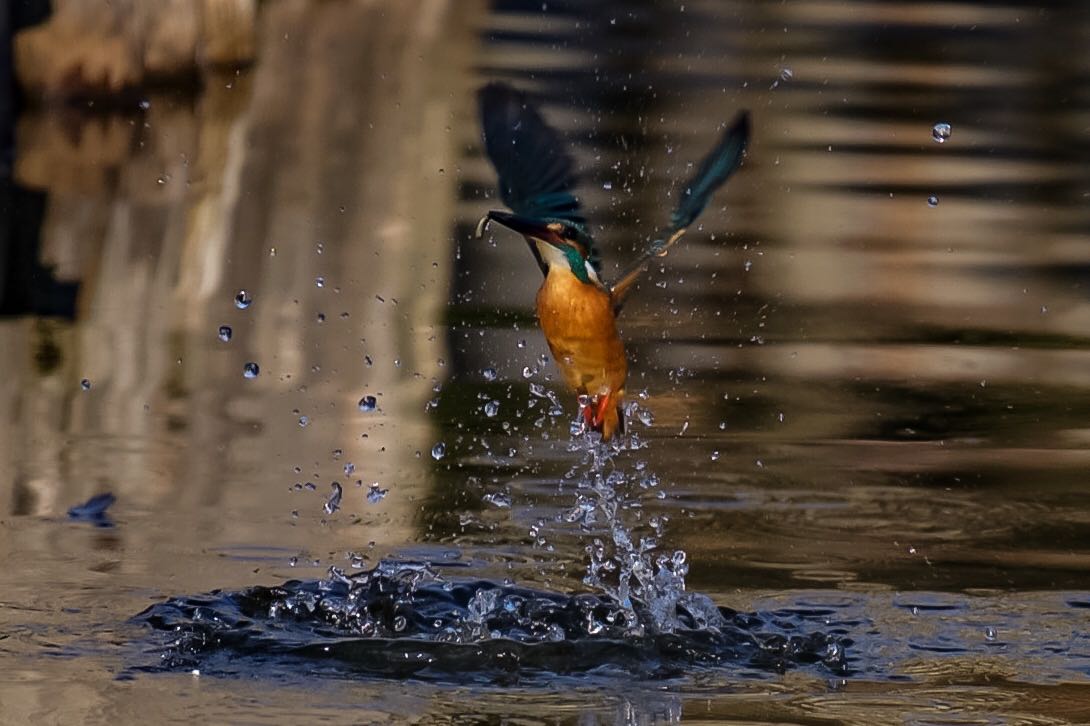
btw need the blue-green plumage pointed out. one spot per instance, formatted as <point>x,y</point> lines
<point>537,181</point>
<point>715,169</point>
<point>577,312</point>
<point>536,173</point>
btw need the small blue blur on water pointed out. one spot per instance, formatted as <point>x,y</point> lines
<point>345,482</point>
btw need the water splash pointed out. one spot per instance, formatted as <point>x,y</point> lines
<point>405,619</point>
<point>624,557</point>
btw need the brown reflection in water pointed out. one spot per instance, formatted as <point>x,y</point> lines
<point>868,318</point>
<point>112,47</point>
<point>874,371</point>
<point>162,216</point>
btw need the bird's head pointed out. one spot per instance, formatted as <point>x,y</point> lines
<point>554,242</point>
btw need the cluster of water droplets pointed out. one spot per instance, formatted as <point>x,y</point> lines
<point>403,618</point>
<point>625,562</point>
<point>940,133</point>
<point>625,559</point>
<point>348,602</point>
<point>637,587</point>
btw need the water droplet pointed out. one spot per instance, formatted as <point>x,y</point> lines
<point>349,468</point>
<point>932,201</point>
<point>646,417</point>
<point>527,372</point>
<point>940,132</point>
<point>489,374</point>
<point>375,494</point>
<point>303,421</point>
<point>491,408</point>
<point>715,455</point>
<point>786,74</point>
<point>225,333</point>
<point>521,343</point>
<point>607,186</point>
<point>368,404</point>
<point>243,300</point>
<point>85,384</point>
<point>293,562</point>
<point>319,281</point>
<point>334,502</point>
<point>439,451</point>
<point>250,369</point>
<point>990,633</point>
<point>498,499</point>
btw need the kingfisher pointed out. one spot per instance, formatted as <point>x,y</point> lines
<point>576,309</point>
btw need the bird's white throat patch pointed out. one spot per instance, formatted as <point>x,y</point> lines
<point>553,255</point>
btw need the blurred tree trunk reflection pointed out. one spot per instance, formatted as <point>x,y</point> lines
<point>107,47</point>
<point>327,160</point>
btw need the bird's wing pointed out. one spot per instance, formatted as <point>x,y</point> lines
<point>536,173</point>
<point>714,170</point>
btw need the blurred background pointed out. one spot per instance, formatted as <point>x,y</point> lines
<point>869,369</point>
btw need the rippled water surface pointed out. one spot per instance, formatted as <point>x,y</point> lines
<point>863,384</point>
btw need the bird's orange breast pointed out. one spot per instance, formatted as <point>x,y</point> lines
<point>581,329</point>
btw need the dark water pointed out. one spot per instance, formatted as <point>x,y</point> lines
<point>869,411</point>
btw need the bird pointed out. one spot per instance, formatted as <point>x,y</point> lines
<point>576,309</point>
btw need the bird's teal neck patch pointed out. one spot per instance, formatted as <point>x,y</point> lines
<point>577,265</point>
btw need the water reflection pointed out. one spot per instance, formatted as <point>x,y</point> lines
<point>161,215</point>
<point>854,393</point>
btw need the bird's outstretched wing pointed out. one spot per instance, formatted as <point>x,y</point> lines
<point>714,170</point>
<point>536,173</point>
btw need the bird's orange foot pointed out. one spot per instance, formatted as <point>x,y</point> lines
<point>601,406</point>
<point>586,407</point>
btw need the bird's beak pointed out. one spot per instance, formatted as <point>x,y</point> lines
<point>523,225</point>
